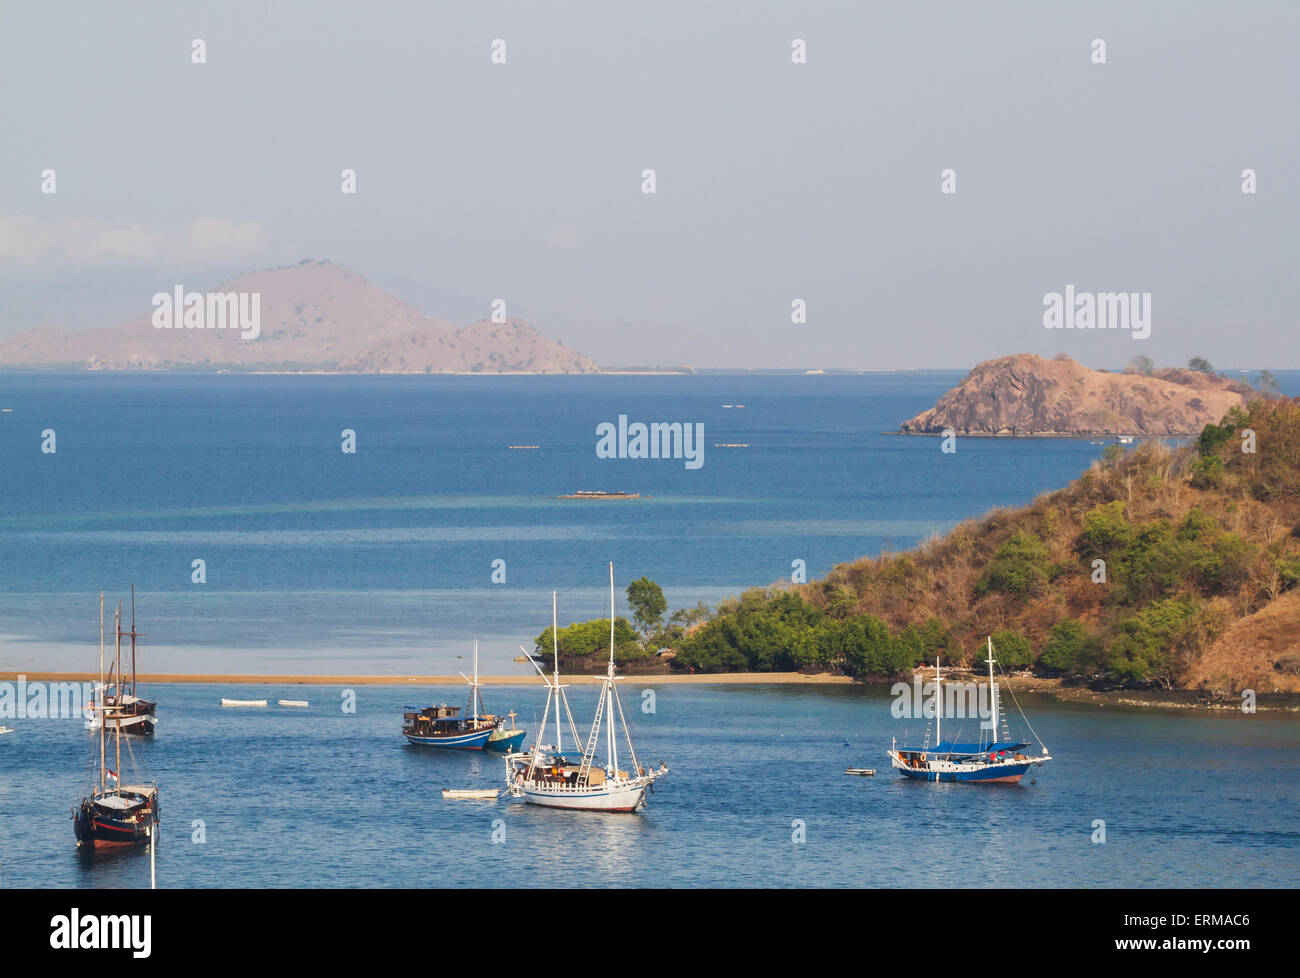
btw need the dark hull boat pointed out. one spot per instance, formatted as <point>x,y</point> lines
<point>443,726</point>
<point>116,817</point>
<point>113,815</point>
<point>992,762</point>
<point>123,708</point>
<point>133,715</point>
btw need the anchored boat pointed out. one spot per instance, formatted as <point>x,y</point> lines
<point>544,776</point>
<point>506,738</point>
<point>125,709</point>
<point>990,761</point>
<point>443,726</point>
<point>114,814</point>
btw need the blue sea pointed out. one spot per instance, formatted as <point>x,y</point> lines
<point>322,562</point>
<point>280,797</point>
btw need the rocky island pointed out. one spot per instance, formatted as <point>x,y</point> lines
<point>1028,395</point>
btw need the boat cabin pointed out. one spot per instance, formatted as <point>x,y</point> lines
<point>1001,752</point>
<point>431,720</point>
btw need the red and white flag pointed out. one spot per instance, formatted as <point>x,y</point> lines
<point>111,773</point>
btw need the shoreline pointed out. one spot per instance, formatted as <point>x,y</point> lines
<point>722,678</point>
<point>1143,699</point>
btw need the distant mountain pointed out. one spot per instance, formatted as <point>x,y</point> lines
<point>314,316</point>
<point>482,347</point>
<point>1029,395</point>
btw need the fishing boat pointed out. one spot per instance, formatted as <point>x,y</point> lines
<point>470,794</point>
<point>544,776</point>
<point>125,708</point>
<point>987,761</point>
<point>444,726</point>
<point>300,704</point>
<point>114,814</point>
<point>5,730</point>
<point>506,737</point>
<point>862,772</point>
<point>229,702</point>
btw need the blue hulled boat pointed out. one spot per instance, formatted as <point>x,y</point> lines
<point>443,726</point>
<point>990,761</point>
<point>506,739</point>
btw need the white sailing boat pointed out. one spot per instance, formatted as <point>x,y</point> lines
<point>543,776</point>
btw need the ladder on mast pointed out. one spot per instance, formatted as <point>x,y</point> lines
<point>590,752</point>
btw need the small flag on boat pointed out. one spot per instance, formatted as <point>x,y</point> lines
<point>111,773</point>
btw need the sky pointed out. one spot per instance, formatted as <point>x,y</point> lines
<point>775,181</point>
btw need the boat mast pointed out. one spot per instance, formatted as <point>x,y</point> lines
<point>103,689</point>
<point>133,638</point>
<point>611,755</point>
<point>117,726</point>
<point>938,706</point>
<point>555,645</point>
<point>475,701</point>
<point>993,699</point>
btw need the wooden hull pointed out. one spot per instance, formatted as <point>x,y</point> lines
<point>137,719</point>
<point>97,827</point>
<point>461,740</point>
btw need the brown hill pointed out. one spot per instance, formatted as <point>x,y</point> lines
<point>315,316</point>
<point>1259,652</point>
<point>1029,395</point>
<point>1177,567</point>
<point>482,347</point>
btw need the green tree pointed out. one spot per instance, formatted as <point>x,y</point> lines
<point>1070,649</point>
<point>585,638</point>
<point>1011,648</point>
<point>1140,365</point>
<point>1156,643</point>
<point>1021,567</point>
<point>1201,365</point>
<point>646,599</point>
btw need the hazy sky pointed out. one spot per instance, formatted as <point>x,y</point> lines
<point>775,180</point>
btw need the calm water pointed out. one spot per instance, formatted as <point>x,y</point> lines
<point>323,562</point>
<point>320,562</point>
<point>318,797</point>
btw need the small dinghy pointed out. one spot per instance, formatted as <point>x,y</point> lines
<point>226,702</point>
<point>864,772</point>
<point>470,793</point>
<point>302,704</point>
<point>5,730</point>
